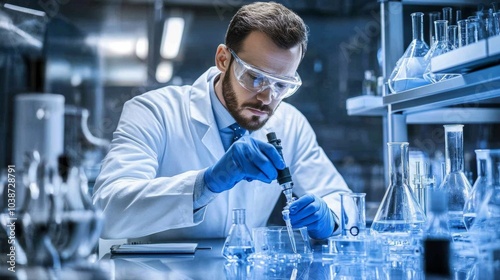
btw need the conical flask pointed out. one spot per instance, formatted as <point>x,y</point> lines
<point>440,46</point>
<point>399,214</point>
<point>410,68</point>
<point>487,219</point>
<point>238,245</point>
<point>482,185</point>
<point>455,182</point>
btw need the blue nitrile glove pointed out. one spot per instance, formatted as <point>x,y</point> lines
<point>312,212</point>
<point>247,159</point>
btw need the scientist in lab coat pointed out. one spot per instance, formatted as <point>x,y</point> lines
<point>173,172</point>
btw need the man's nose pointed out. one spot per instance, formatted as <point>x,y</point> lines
<point>265,96</point>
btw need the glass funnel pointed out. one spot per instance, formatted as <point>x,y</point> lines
<point>399,218</point>
<point>410,68</point>
<point>455,182</point>
<point>440,46</point>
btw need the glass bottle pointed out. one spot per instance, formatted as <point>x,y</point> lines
<point>455,182</point>
<point>399,217</point>
<point>440,46</point>
<point>409,69</point>
<point>238,245</point>
<point>437,236</point>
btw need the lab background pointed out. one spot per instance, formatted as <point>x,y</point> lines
<point>101,53</point>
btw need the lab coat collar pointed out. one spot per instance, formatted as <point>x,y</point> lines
<point>202,113</point>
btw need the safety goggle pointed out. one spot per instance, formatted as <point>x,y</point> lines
<point>256,80</point>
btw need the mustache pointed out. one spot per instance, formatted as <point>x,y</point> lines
<point>258,106</point>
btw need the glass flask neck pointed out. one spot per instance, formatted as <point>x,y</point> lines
<point>417,21</point>
<point>238,216</point>
<point>454,148</point>
<point>398,163</point>
<point>441,27</point>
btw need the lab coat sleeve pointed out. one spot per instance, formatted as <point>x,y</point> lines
<point>134,202</point>
<point>312,170</point>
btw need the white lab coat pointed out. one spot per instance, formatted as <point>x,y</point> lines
<point>166,137</point>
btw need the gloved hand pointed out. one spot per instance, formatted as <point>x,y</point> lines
<point>247,159</point>
<point>312,212</point>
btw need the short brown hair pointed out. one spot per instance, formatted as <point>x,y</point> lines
<point>284,27</point>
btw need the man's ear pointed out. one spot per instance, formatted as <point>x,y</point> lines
<point>222,58</point>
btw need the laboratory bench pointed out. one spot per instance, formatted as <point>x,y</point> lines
<point>208,263</point>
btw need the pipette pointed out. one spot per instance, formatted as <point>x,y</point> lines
<point>285,180</point>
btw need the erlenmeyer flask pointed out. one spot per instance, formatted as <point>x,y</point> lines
<point>440,46</point>
<point>238,245</point>
<point>455,183</point>
<point>399,220</point>
<point>485,228</point>
<point>410,68</point>
<point>481,186</point>
<point>488,209</point>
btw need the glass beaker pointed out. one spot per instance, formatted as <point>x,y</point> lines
<point>410,68</point>
<point>239,244</point>
<point>441,45</point>
<point>455,183</point>
<point>352,217</point>
<point>399,221</point>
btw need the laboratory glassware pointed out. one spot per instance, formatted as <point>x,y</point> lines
<point>81,221</point>
<point>440,46</point>
<point>43,215</point>
<point>448,15</point>
<point>485,196</point>
<point>433,16</point>
<point>410,68</point>
<point>369,83</point>
<point>272,245</point>
<point>484,229</point>
<point>455,182</point>
<point>453,35</point>
<point>462,32</point>
<point>399,220</point>
<point>481,186</point>
<point>239,244</point>
<point>352,214</point>
<point>437,235</point>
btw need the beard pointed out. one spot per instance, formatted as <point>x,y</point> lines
<point>253,123</point>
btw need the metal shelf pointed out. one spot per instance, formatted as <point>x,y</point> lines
<point>366,105</point>
<point>469,88</point>
<point>444,2</point>
<point>465,59</point>
<point>455,115</point>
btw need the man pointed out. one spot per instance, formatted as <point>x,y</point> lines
<point>172,171</point>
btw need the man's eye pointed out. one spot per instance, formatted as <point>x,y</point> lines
<point>280,85</point>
